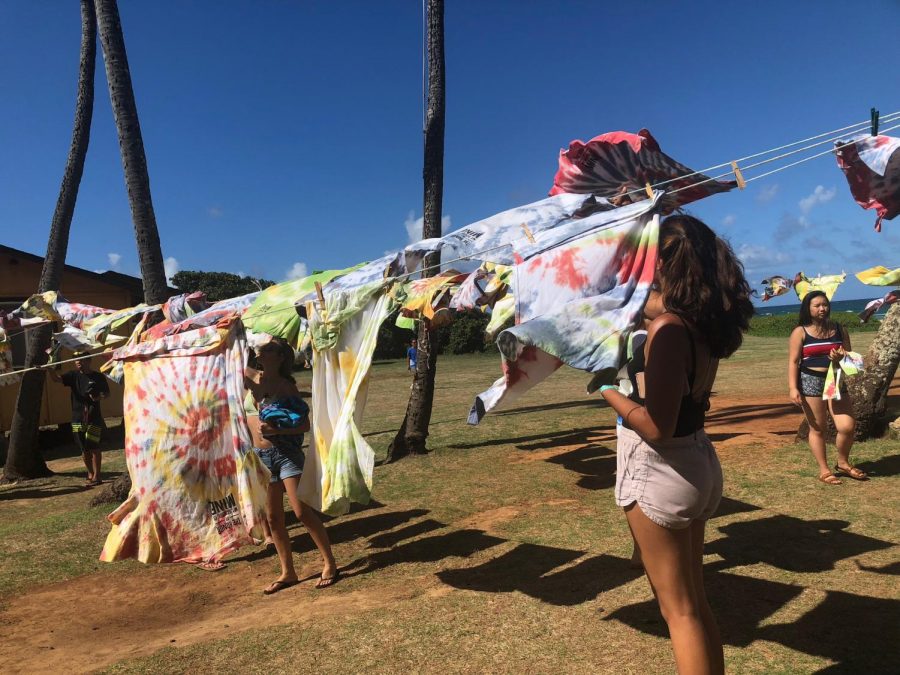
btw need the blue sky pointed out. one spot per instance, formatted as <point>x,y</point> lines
<point>284,135</point>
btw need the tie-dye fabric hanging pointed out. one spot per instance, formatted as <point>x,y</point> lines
<point>274,311</point>
<point>872,167</point>
<point>576,304</point>
<point>424,296</point>
<point>100,327</point>
<point>618,162</point>
<point>850,365</point>
<point>180,307</point>
<point>222,311</point>
<point>828,284</point>
<point>6,362</point>
<point>879,276</point>
<point>873,306</point>
<point>482,288</point>
<point>775,286</point>
<point>492,238</point>
<point>198,489</point>
<point>338,467</point>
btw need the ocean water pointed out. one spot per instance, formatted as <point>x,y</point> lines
<point>855,306</point>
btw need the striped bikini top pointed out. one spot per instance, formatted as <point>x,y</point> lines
<point>816,350</point>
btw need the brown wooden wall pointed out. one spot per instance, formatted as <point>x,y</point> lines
<point>19,277</point>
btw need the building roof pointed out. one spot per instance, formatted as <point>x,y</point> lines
<point>133,284</point>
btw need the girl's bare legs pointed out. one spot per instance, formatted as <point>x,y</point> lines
<point>668,560</point>
<point>275,515</point>
<point>713,638</point>
<point>842,414</point>
<point>314,526</point>
<point>814,408</point>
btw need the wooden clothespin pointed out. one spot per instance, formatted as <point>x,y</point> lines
<point>875,120</point>
<point>649,189</point>
<point>737,174</point>
<point>528,233</point>
<point>321,296</point>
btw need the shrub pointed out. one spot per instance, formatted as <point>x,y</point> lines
<point>781,325</point>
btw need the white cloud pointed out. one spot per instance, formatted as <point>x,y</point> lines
<point>214,211</point>
<point>114,259</point>
<point>767,193</point>
<point>240,273</point>
<point>729,220</point>
<point>754,255</point>
<point>171,267</point>
<point>297,271</point>
<point>819,196</point>
<point>414,225</point>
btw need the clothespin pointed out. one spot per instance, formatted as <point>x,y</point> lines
<point>648,189</point>
<point>737,174</point>
<point>321,296</point>
<point>527,232</point>
<point>875,120</point>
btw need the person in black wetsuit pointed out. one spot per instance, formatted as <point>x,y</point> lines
<point>668,477</point>
<point>88,387</point>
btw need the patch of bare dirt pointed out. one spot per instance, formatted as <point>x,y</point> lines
<point>87,623</point>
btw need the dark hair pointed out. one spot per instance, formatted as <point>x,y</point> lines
<point>701,279</point>
<point>805,317</point>
<point>287,357</point>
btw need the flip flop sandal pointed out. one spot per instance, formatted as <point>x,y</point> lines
<point>276,586</point>
<point>830,479</point>
<point>851,472</point>
<point>325,582</point>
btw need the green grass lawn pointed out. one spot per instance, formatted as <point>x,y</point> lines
<point>502,550</point>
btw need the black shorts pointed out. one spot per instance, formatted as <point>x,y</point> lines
<point>87,436</point>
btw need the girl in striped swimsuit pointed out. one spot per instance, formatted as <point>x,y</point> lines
<point>816,342</point>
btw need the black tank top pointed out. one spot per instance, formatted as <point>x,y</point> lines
<point>691,413</point>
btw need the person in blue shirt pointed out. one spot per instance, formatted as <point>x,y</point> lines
<point>411,354</point>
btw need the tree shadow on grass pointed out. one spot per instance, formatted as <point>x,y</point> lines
<point>736,414</point>
<point>859,633</point>
<point>884,466</point>
<point>739,604</point>
<point>457,543</point>
<point>595,463</point>
<point>39,492</point>
<point>890,568</point>
<point>729,506</point>
<point>790,543</point>
<point>541,441</point>
<point>528,568</point>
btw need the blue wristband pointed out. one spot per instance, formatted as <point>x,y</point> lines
<point>608,386</point>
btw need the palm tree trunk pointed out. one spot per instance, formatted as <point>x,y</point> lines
<point>414,432</point>
<point>869,390</point>
<point>131,145</point>
<point>24,459</point>
<point>137,177</point>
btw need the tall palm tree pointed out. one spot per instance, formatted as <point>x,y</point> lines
<point>131,145</point>
<point>414,432</point>
<point>137,179</point>
<point>24,460</point>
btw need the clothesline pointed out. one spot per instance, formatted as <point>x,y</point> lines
<point>892,117</point>
<point>780,168</point>
<point>686,187</point>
